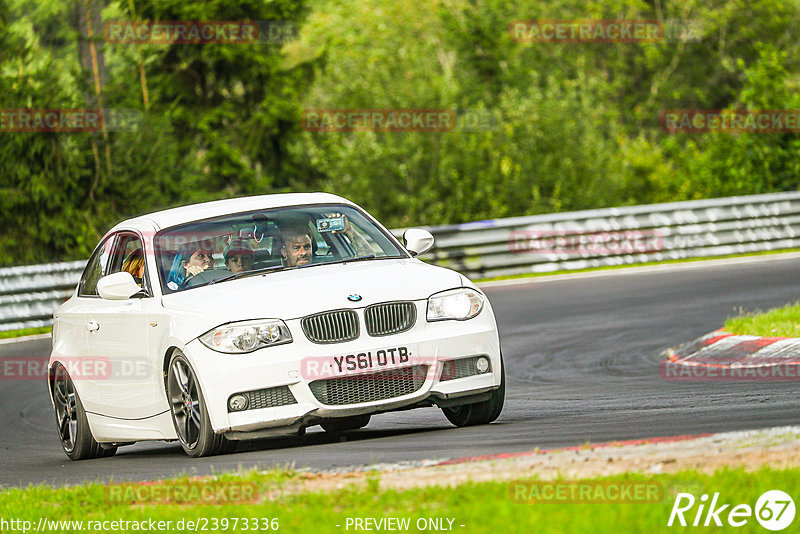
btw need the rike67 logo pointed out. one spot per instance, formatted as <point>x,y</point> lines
<point>774,510</point>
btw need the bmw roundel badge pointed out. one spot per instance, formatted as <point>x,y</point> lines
<point>354,298</point>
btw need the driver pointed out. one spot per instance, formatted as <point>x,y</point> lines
<point>296,249</point>
<point>238,256</point>
<point>191,259</point>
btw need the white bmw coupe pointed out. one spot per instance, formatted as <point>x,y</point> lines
<point>259,316</point>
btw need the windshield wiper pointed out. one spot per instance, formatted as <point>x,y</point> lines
<point>243,274</point>
<point>364,258</point>
<point>360,258</point>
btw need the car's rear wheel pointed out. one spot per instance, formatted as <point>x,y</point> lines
<point>346,423</point>
<point>480,413</point>
<point>189,413</point>
<point>73,427</point>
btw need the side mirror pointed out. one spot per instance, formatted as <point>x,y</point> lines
<point>417,241</point>
<point>118,286</point>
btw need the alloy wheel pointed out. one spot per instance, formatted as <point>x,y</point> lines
<point>66,409</point>
<point>185,402</point>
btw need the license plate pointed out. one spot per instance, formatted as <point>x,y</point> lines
<point>374,359</point>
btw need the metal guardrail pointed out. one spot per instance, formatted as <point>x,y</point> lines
<point>619,236</point>
<point>30,294</point>
<point>518,245</point>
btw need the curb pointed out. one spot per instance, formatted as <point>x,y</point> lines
<point>723,355</point>
<point>573,448</point>
<point>720,348</point>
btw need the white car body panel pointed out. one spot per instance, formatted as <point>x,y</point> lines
<point>294,294</point>
<point>114,430</point>
<point>206,210</point>
<point>139,334</point>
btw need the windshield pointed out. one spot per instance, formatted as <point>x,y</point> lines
<point>244,244</point>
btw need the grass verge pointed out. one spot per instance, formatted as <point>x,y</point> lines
<point>25,332</point>
<point>468,507</point>
<point>777,322</point>
<point>627,265</point>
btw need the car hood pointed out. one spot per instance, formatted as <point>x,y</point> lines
<point>300,292</point>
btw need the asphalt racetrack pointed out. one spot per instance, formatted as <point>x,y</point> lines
<point>582,358</point>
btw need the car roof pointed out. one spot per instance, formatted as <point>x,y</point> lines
<point>184,214</point>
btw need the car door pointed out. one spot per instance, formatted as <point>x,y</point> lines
<point>74,323</point>
<point>121,339</point>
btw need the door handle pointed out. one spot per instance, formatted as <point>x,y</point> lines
<point>92,326</point>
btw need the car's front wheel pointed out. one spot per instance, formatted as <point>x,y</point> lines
<point>480,413</point>
<point>189,413</point>
<point>73,427</point>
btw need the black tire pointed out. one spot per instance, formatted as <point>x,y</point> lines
<point>346,423</point>
<point>72,425</point>
<point>228,446</point>
<point>106,452</point>
<point>480,413</point>
<point>189,413</point>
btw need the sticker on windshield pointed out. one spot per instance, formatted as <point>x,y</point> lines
<point>330,224</point>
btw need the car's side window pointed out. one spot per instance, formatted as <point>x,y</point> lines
<point>128,255</point>
<point>95,269</point>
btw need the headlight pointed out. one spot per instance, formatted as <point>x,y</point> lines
<point>246,336</point>
<point>458,304</point>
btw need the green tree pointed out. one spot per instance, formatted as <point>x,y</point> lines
<point>233,107</point>
<point>215,124</point>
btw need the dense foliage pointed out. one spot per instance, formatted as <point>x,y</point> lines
<point>573,125</point>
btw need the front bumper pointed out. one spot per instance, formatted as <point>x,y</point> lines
<point>296,365</point>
